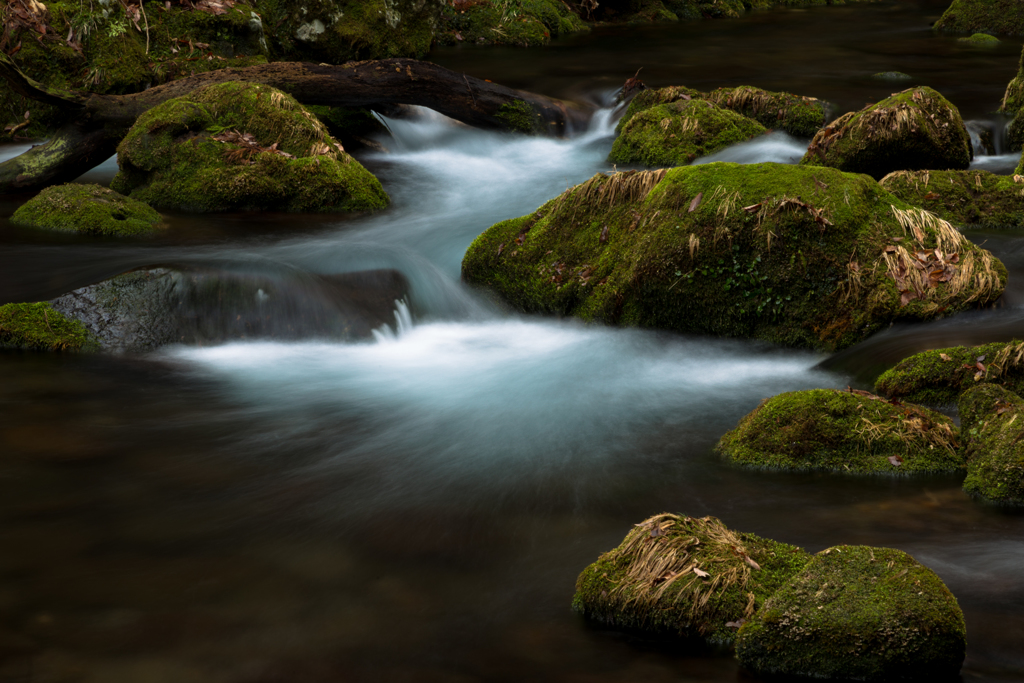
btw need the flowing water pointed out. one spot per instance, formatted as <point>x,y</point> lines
<point>417,506</point>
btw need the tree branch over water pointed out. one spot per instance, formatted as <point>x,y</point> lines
<point>101,121</point>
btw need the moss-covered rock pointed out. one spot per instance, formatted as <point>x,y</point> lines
<point>240,146</point>
<point>858,613</point>
<point>800,116</point>
<point>1013,98</point>
<point>523,23</point>
<point>39,327</point>
<point>795,255</point>
<point>992,419</point>
<point>88,210</point>
<point>675,134</point>
<point>685,576</point>
<point>938,377</point>
<point>964,198</point>
<point>999,17</point>
<point>915,129</point>
<point>843,431</point>
<point>980,40</point>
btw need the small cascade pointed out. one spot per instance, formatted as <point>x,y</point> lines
<point>403,324</point>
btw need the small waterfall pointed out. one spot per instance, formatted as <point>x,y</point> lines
<point>403,323</point>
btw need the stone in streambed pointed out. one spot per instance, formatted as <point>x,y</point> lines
<point>992,420</point>
<point>40,327</point>
<point>238,145</point>
<point>971,198</point>
<point>87,210</point>
<point>911,130</point>
<point>845,432</point>
<point>857,613</point>
<point>795,255</point>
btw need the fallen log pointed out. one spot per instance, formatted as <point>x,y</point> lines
<point>99,122</point>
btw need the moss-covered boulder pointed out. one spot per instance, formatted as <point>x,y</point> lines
<point>857,613</point>
<point>800,116</point>
<point>240,146</point>
<point>940,376</point>
<point>525,23</point>
<point>1000,17</point>
<point>88,210</point>
<point>1012,104</point>
<point>964,198</point>
<point>992,419</point>
<point>980,40</point>
<point>685,576</point>
<point>843,431</point>
<point>38,327</point>
<point>675,134</point>
<point>911,130</point>
<point>796,255</point>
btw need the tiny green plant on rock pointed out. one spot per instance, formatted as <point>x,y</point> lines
<point>38,327</point>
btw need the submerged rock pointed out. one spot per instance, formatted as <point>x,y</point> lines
<point>892,76</point>
<point>88,210</point>
<point>796,255</point>
<point>240,145</point>
<point>39,327</point>
<point>685,576</point>
<point>800,116</point>
<point>915,129</point>
<point>843,431</point>
<point>857,613</point>
<point>940,376</point>
<point>964,198</point>
<point>980,39</point>
<point>1001,17</point>
<point>675,134</point>
<point>992,419</point>
<point>146,309</point>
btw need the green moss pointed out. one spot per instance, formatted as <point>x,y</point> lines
<point>795,255</point>
<point>649,582</point>
<point>675,134</point>
<point>87,209</point>
<point>800,116</point>
<point>40,328</point>
<point>992,420</point>
<point>999,17</point>
<point>825,429</point>
<point>169,159</point>
<point>964,198</point>
<point>940,376</point>
<point>523,23</point>
<point>980,39</point>
<point>915,129</point>
<point>860,613</point>
<point>1013,99</point>
<point>519,116</point>
<point>646,99</point>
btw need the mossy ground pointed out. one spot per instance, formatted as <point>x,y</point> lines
<point>992,420</point>
<point>88,210</point>
<point>170,160</point>
<point>940,376</point>
<point>800,116</point>
<point>675,134</point>
<point>685,576</point>
<point>38,327</point>
<point>795,255</point>
<point>825,429</point>
<point>858,613</point>
<point>113,56</point>
<point>999,17</point>
<point>964,198</point>
<point>911,130</point>
<point>523,23</point>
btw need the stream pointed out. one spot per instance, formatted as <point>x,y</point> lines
<point>417,506</point>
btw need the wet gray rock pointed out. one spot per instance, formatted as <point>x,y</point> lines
<point>146,309</point>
